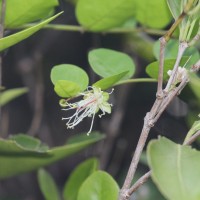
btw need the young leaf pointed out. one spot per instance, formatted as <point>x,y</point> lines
<point>70,79</point>
<point>100,185</point>
<point>18,157</point>
<point>100,15</point>
<point>78,176</point>
<point>18,37</point>
<point>66,89</point>
<point>47,185</point>
<point>110,81</point>
<point>152,68</point>
<point>25,11</point>
<point>147,13</point>
<point>9,95</point>
<point>175,169</point>
<point>175,7</point>
<point>106,62</point>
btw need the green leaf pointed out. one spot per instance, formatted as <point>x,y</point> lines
<point>99,186</point>
<point>18,37</point>
<point>100,15</point>
<point>175,7</point>
<point>152,68</point>
<point>16,158</point>
<point>25,11</point>
<point>78,176</point>
<point>154,13</point>
<point>194,84</point>
<point>110,81</point>
<point>9,95</point>
<point>29,143</point>
<point>47,185</point>
<point>66,89</point>
<point>171,50</point>
<point>195,127</point>
<point>175,169</point>
<point>76,78</point>
<point>106,62</point>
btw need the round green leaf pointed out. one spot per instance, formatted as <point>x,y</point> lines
<point>152,68</point>
<point>99,186</point>
<point>106,62</point>
<point>47,185</point>
<point>70,73</point>
<point>66,89</point>
<point>99,15</point>
<point>175,169</point>
<point>110,81</point>
<point>25,11</point>
<point>154,13</point>
<point>78,176</point>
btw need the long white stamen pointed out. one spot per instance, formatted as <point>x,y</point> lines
<point>94,99</point>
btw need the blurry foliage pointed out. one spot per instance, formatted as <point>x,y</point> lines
<point>139,23</point>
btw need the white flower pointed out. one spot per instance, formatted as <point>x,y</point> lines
<point>94,99</point>
<point>181,74</point>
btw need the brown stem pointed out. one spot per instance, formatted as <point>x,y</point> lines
<point>133,166</point>
<point>139,182</point>
<point>186,9</point>
<point>182,47</point>
<point>192,138</point>
<point>161,66</point>
<point>146,176</point>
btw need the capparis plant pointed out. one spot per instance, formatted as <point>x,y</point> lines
<point>173,168</point>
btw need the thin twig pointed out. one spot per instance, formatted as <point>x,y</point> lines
<point>182,47</point>
<point>192,138</point>
<point>146,176</point>
<point>157,109</point>
<point>161,67</point>
<point>139,182</point>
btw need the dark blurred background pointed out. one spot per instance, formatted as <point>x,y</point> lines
<point>28,64</point>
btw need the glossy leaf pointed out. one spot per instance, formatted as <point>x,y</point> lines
<point>175,169</point>
<point>25,159</point>
<point>78,176</point>
<point>106,62</point>
<point>171,51</point>
<point>110,81</point>
<point>66,89</point>
<point>18,37</point>
<point>25,11</point>
<point>154,13</point>
<point>47,185</point>
<point>74,76</point>
<point>100,186</point>
<point>175,7</point>
<point>11,94</point>
<point>152,68</point>
<point>100,15</point>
